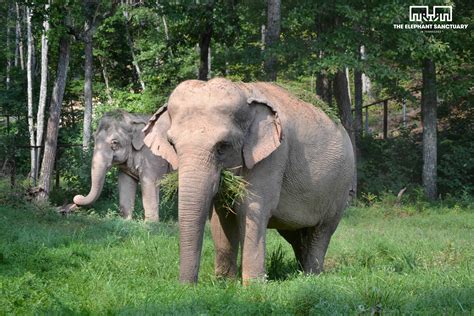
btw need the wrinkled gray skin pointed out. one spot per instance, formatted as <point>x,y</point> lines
<point>299,164</point>
<point>119,142</point>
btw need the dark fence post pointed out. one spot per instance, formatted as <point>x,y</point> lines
<point>13,173</point>
<point>404,104</point>
<point>366,120</point>
<point>385,119</point>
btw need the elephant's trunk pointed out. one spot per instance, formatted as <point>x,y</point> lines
<point>198,183</point>
<point>100,165</point>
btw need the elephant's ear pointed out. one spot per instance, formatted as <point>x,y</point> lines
<point>156,137</point>
<point>137,122</point>
<point>138,136</point>
<point>264,134</point>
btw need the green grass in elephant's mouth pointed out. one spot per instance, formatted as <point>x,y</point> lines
<point>232,189</point>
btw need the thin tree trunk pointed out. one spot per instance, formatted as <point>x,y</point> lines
<point>271,38</point>
<point>323,87</point>
<point>9,61</point>
<point>348,79</point>
<point>43,91</point>
<point>53,121</point>
<point>323,82</point>
<point>29,75</point>
<point>106,79</point>
<point>88,47</point>
<point>366,84</point>
<point>429,121</point>
<point>343,101</point>
<point>341,89</point>
<point>134,57</point>
<point>90,8</point>
<point>19,40</point>
<point>204,47</point>
<point>167,34</point>
<point>358,100</point>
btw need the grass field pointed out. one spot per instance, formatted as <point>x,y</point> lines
<point>407,259</point>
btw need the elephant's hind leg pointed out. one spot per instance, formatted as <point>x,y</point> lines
<point>310,245</point>
<point>225,234</point>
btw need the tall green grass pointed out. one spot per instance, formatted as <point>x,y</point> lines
<point>382,258</point>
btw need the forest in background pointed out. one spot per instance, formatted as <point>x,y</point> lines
<point>64,64</point>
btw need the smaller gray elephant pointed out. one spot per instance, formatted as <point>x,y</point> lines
<point>119,142</point>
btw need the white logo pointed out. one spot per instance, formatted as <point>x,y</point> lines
<point>420,13</point>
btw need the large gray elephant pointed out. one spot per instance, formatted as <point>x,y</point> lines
<point>298,162</point>
<point>119,142</point>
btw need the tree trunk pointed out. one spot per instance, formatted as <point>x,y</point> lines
<point>429,122</point>
<point>341,93</point>
<point>106,79</point>
<point>90,8</point>
<point>343,101</point>
<point>323,82</point>
<point>43,91</point>
<point>88,47</point>
<point>167,34</point>
<point>271,38</point>
<point>29,76</point>
<point>9,61</point>
<point>366,84</point>
<point>53,121</point>
<point>348,79</point>
<point>358,104</point>
<point>130,44</point>
<point>19,40</point>
<point>204,49</point>
<point>323,88</point>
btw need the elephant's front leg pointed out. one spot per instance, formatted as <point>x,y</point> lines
<point>254,213</point>
<point>253,225</point>
<point>127,190</point>
<point>150,198</point>
<point>225,233</point>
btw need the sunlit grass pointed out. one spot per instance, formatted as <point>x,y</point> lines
<point>389,259</point>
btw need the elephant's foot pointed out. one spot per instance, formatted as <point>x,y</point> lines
<point>151,219</point>
<point>224,269</point>
<point>126,215</point>
<point>247,281</point>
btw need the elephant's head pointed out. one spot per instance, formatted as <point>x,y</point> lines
<point>118,135</point>
<point>208,126</point>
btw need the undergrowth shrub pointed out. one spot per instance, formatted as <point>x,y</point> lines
<point>390,165</point>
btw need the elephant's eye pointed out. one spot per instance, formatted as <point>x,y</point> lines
<point>222,147</point>
<point>170,140</point>
<point>114,144</point>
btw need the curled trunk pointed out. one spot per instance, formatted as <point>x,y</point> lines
<point>98,171</point>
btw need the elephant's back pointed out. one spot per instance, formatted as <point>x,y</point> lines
<point>291,108</point>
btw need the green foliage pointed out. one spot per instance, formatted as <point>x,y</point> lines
<point>232,189</point>
<point>169,187</point>
<point>90,264</point>
<point>381,166</point>
<point>456,148</point>
<point>317,37</point>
